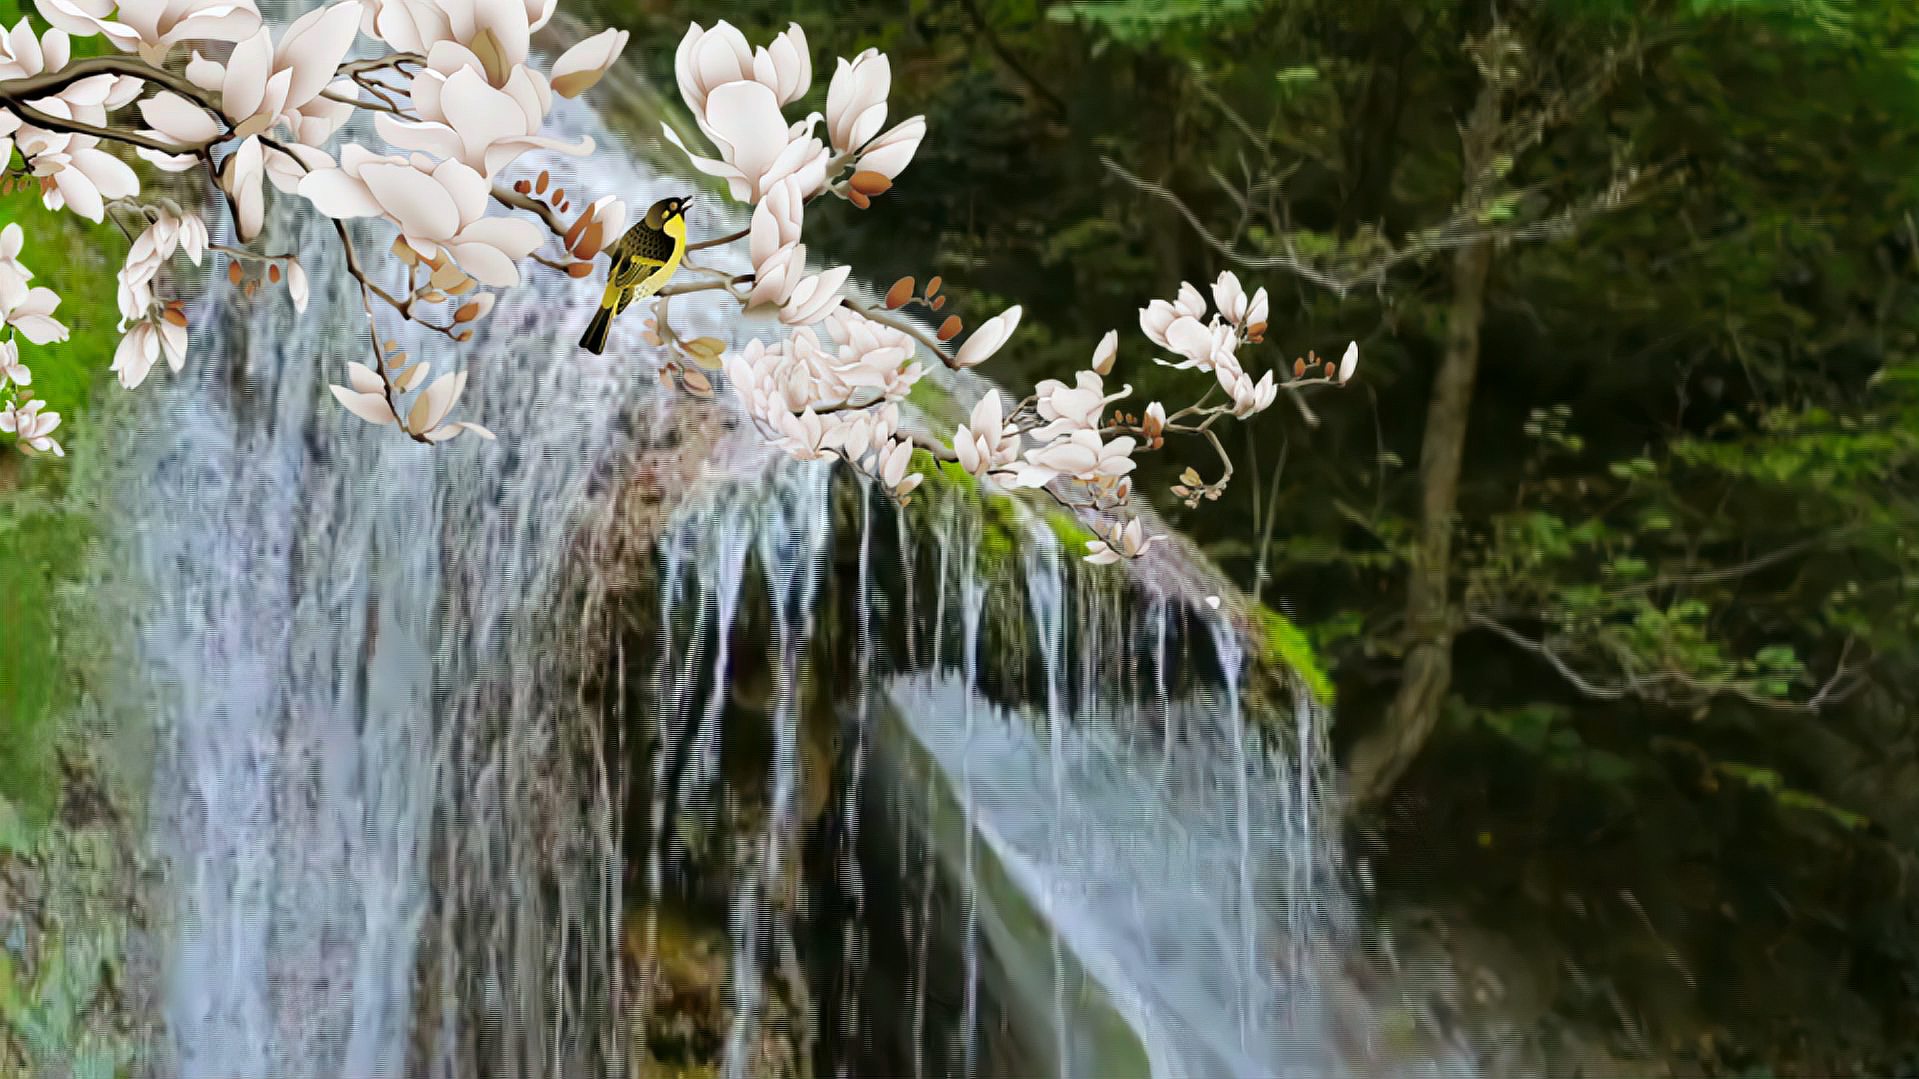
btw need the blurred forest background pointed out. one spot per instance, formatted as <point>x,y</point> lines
<point>1611,550</point>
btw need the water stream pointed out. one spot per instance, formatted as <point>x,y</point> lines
<point>394,835</point>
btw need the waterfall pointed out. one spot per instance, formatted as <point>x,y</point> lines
<point>395,838</point>
<point>370,782</point>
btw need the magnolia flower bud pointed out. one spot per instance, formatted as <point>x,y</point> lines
<point>1104,354</point>
<point>988,338</point>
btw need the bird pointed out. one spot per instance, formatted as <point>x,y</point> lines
<point>643,260</point>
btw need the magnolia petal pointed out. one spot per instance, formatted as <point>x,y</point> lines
<point>315,54</point>
<point>369,407</point>
<point>363,378</point>
<point>583,65</point>
<point>178,119</point>
<point>338,195</point>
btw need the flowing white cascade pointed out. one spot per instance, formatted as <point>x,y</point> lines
<point>354,642</point>
<point>389,854</point>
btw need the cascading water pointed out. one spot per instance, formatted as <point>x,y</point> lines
<point>395,839</point>
<point>384,859</point>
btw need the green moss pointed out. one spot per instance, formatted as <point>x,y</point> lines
<point>935,403</point>
<point>1072,533</point>
<point>58,1008</point>
<point>998,514</point>
<point>41,546</point>
<point>1282,642</point>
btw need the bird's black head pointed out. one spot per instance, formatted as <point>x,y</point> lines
<point>667,209</point>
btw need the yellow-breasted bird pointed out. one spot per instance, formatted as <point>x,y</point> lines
<point>643,260</point>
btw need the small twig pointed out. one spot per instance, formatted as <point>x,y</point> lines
<point>719,241</point>
<point>373,328</point>
<point>911,328</point>
<point>508,197</point>
<point>376,106</point>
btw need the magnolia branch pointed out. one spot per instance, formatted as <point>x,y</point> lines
<point>373,329</point>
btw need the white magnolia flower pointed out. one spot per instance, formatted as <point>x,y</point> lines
<point>1204,346</point>
<point>153,27</point>
<point>889,154</point>
<point>84,177</point>
<point>438,208</point>
<point>23,54</point>
<point>1230,298</point>
<point>804,436</point>
<point>149,251</point>
<point>364,395</point>
<point>986,442</point>
<point>873,360</point>
<point>758,150</point>
<point>581,67</point>
<point>775,279</point>
<point>29,310</point>
<point>1104,354</point>
<point>144,345</point>
<point>1190,303</point>
<point>12,239</point>
<point>1349,362</point>
<point>736,95</point>
<point>1128,541</point>
<point>814,296</point>
<point>427,417</point>
<point>988,338</point>
<point>11,369</point>
<point>786,66</point>
<point>240,177</point>
<point>777,221</point>
<point>856,100</point>
<point>32,427</point>
<point>492,35</point>
<point>1248,397</point>
<point>1256,312</point>
<point>891,468</point>
<point>1153,425</point>
<point>133,293</point>
<point>1073,408</point>
<point>1081,455</point>
<point>708,59</point>
<point>467,119</point>
<point>1155,319</point>
<point>297,288</point>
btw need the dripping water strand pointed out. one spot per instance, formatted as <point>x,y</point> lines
<point>791,540</point>
<point>973,600</point>
<point>852,945</point>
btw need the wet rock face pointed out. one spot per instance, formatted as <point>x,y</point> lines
<point>788,902</point>
<point>72,966</point>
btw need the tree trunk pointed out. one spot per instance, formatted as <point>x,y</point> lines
<point>1380,759</point>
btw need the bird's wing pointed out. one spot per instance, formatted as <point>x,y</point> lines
<point>630,270</point>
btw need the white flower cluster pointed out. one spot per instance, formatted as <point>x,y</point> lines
<point>466,106</point>
<point>457,102</point>
<point>25,311</point>
<point>839,395</point>
<point>836,396</point>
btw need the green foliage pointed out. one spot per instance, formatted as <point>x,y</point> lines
<point>1773,784</point>
<point>1072,534</point>
<point>1141,23</point>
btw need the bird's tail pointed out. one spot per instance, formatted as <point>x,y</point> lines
<point>594,340</point>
